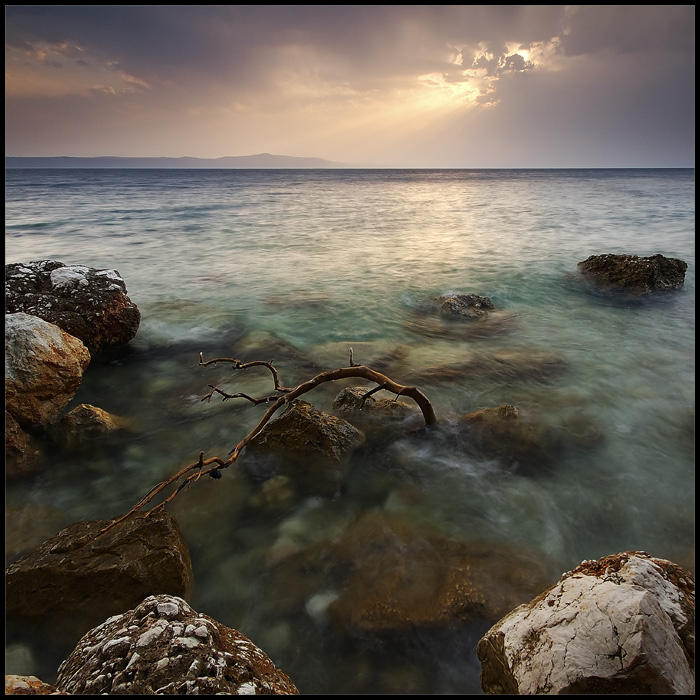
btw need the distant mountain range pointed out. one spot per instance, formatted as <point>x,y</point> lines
<point>260,160</point>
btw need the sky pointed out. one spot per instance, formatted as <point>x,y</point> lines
<point>405,86</point>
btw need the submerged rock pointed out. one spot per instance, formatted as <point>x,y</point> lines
<point>74,580</point>
<point>89,303</point>
<point>164,647</point>
<point>44,367</point>
<point>633,274</point>
<point>623,624</point>
<point>509,435</point>
<point>381,419</point>
<point>383,576</point>
<point>460,317</point>
<point>502,365</point>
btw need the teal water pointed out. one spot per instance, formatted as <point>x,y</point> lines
<point>313,263</point>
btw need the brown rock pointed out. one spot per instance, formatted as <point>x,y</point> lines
<point>44,367</point>
<point>391,577</point>
<point>353,401</point>
<point>501,365</point>
<point>28,685</point>
<point>75,580</point>
<point>309,446</point>
<point>164,647</point>
<point>79,428</point>
<point>507,434</point>
<point>381,419</point>
<point>22,454</point>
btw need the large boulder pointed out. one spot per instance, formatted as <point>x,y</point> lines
<point>164,647</point>
<point>307,445</point>
<point>44,367</point>
<point>89,303</point>
<point>623,624</point>
<point>633,274</point>
<point>76,579</point>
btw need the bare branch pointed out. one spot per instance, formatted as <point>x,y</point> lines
<point>194,472</point>
<point>245,365</point>
<point>225,395</point>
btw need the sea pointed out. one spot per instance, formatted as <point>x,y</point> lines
<point>310,268</point>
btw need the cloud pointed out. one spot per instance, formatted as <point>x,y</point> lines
<point>347,82</point>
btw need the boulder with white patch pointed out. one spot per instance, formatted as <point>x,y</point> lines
<point>623,624</point>
<point>89,303</point>
<point>164,647</point>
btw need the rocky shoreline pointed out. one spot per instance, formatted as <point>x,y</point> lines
<point>117,588</point>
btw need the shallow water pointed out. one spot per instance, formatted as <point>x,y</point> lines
<point>308,264</point>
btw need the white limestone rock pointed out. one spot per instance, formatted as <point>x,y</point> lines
<point>622,624</point>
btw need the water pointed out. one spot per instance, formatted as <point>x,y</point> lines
<point>305,265</point>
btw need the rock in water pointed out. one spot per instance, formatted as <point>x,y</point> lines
<point>164,647</point>
<point>75,579</point>
<point>307,445</point>
<point>623,624</point>
<point>633,274</point>
<point>44,367</point>
<point>89,303</point>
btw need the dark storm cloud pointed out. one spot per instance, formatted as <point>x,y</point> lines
<point>175,41</point>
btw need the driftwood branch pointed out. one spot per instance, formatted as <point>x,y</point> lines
<point>213,465</point>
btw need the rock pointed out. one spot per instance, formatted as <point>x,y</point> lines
<point>623,624</point>
<point>390,577</point>
<point>509,435</point>
<point>276,496</point>
<point>460,317</point>
<point>309,446</point>
<point>379,418</point>
<point>22,455</point>
<point>28,685</point>
<point>79,428</point>
<point>44,367</point>
<point>72,581</point>
<point>164,647</point>
<point>465,306</point>
<point>503,365</point>
<point>633,274</point>
<point>89,303</point>
<point>352,401</point>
